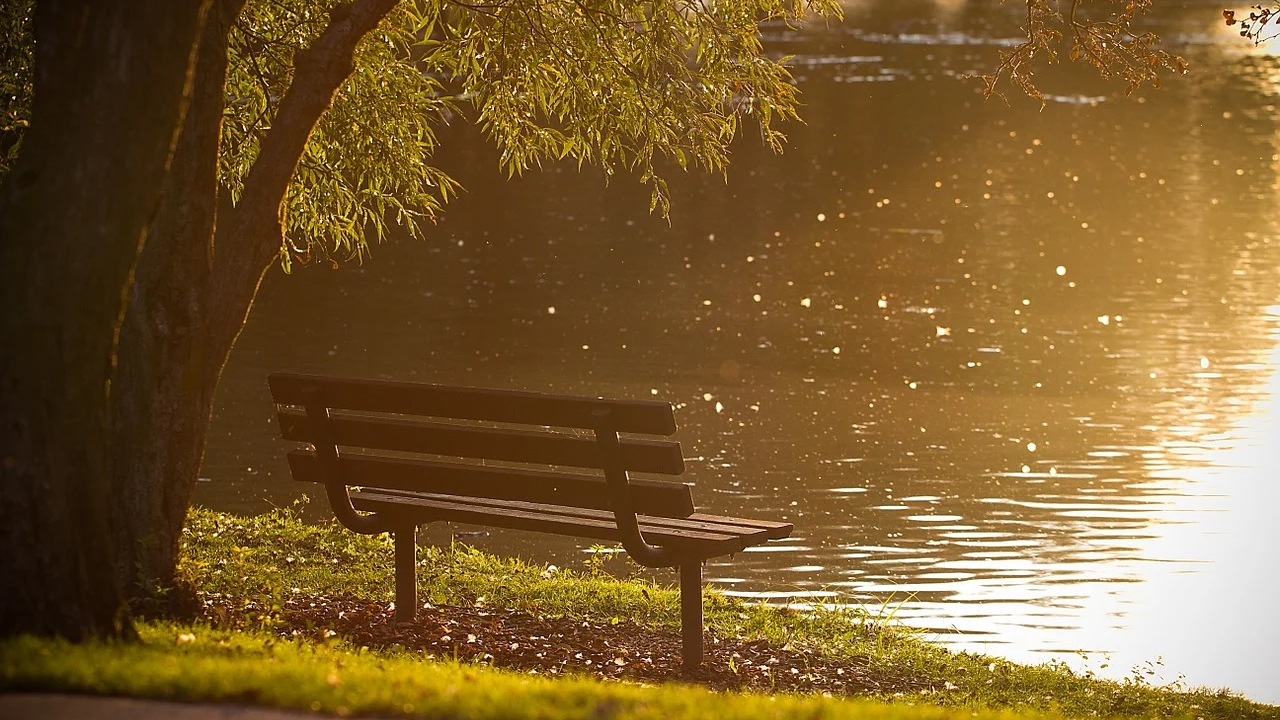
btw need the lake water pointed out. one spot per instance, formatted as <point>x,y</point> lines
<point>1017,370</point>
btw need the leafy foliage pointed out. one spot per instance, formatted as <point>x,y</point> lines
<point>1263,23</point>
<point>15,77</point>
<point>622,83</point>
<point>367,160</point>
<point>630,85</point>
<point>1110,44</point>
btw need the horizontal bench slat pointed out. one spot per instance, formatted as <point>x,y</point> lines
<point>698,544</point>
<point>651,497</point>
<point>528,446</point>
<point>706,524</point>
<point>509,406</point>
<point>774,530</point>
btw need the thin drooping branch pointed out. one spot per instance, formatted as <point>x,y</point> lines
<point>1260,26</point>
<point>319,70</point>
<point>1110,45</point>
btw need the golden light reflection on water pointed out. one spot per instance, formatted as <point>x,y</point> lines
<point>1209,580</point>
<point>1189,598</point>
<point>1207,570</point>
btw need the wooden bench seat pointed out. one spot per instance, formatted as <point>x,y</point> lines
<point>394,455</point>
<point>710,536</point>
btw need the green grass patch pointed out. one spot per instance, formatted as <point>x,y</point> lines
<point>245,566</point>
<point>197,663</point>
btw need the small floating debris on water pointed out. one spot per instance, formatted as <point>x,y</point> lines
<point>802,60</point>
<point>942,38</point>
<point>940,331</point>
<point>933,233</point>
<point>864,78</point>
<point>1076,99</point>
<point>1061,270</point>
<point>845,461</point>
<point>1053,473</point>
<point>806,302</point>
<point>1104,319</point>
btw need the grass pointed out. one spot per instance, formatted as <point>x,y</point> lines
<point>244,566</point>
<point>201,664</point>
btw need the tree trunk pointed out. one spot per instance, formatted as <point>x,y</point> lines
<point>110,86</point>
<point>173,341</point>
<point>195,283</point>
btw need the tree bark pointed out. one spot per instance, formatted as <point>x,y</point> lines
<point>195,284</point>
<point>110,85</point>
<point>171,348</point>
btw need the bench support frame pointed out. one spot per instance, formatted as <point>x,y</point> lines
<point>691,614</point>
<point>406,540</point>
<point>691,620</point>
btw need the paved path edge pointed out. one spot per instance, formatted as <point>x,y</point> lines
<point>51,706</point>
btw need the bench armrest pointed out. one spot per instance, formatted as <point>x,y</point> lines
<point>615,474</point>
<point>335,489</point>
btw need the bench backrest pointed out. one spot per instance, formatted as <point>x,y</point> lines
<point>444,423</point>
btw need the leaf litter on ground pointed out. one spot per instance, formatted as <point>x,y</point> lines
<point>547,645</point>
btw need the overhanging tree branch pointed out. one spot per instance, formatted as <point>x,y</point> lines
<point>319,70</point>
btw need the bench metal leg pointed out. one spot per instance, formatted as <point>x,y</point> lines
<point>691,613</point>
<point>406,572</point>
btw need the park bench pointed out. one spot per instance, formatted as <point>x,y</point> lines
<point>396,455</point>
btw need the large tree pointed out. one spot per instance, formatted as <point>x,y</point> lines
<point>112,84</point>
<point>176,152</point>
